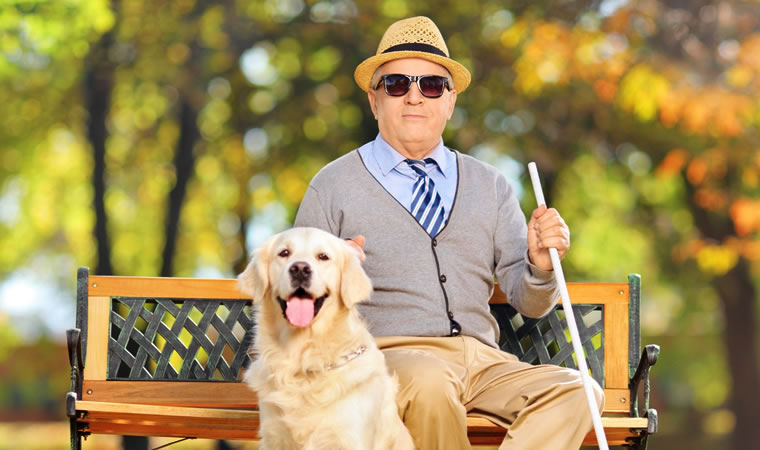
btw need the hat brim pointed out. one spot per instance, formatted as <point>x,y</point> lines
<point>364,71</point>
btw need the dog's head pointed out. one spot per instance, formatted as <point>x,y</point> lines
<point>305,271</point>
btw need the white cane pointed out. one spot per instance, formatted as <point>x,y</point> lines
<point>570,318</point>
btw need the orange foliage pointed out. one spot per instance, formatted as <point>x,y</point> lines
<point>711,199</point>
<point>751,250</point>
<point>610,62</point>
<point>745,213</point>
<point>673,162</point>
<point>696,114</point>
<point>545,58</point>
<point>606,89</point>
<point>619,22</point>
<point>711,164</point>
<point>672,108</point>
<point>697,171</point>
<point>710,110</point>
<point>749,53</point>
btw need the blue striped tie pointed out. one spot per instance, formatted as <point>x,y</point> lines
<point>426,206</point>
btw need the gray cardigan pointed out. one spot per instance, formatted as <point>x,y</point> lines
<point>420,282</point>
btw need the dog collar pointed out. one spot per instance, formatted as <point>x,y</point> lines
<point>348,358</point>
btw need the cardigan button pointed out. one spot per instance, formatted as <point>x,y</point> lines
<point>456,329</point>
<point>435,242</point>
<point>442,278</point>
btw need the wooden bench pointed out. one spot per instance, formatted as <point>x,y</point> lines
<point>164,357</point>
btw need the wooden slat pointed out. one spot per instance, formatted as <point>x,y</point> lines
<point>164,287</point>
<point>178,431</point>
<point>608,422</point>
<point>155,420</point>
<point>582,293</point>
<point>484,432</point>
<point>130,411</point>
<point>229,395</point>
<point>599,293</point>
<point>175,393</point>
<point>616,346</point>
<point>98,309</point>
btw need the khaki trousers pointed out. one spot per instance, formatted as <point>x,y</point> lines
<point>442,379</point>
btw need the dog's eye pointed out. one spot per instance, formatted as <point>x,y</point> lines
<point>323,257</point>
<point>285,253</point>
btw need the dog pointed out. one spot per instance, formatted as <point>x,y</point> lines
<point>321,381</point>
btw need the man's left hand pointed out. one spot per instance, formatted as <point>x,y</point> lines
<point>546,229</point>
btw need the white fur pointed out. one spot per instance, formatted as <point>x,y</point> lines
<point>303,404</point>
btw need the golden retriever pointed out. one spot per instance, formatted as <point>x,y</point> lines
<point>321,381</point>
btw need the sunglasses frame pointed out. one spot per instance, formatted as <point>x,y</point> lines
<point>413,79</point>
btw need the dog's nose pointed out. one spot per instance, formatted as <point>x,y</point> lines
<point>300,271</point>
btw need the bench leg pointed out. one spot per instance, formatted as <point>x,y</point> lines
<point>76,438</point>
<point>640,442</point>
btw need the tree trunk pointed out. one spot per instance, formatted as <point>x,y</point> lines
<point>184,162</point>
<point>737,295</point>
<point>98,82</point>
<point>738,298</point>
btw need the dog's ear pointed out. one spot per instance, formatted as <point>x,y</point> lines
<point>355,285</point>
<point>254,281</point>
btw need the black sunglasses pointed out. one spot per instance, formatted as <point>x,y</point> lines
<point>430,86</point>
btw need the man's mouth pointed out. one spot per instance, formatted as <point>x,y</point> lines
<point>301,307</point>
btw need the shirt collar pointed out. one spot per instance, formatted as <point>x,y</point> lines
<point>388,157</point>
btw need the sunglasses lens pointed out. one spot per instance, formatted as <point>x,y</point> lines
<point>396,85</point>
<point>432,86</point>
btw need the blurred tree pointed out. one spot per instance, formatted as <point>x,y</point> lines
<point>677,79</point>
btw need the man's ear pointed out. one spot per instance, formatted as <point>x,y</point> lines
<point>254,281</point>
<point>372,102</point>
<point>453,102</point>
<point>355,285</point>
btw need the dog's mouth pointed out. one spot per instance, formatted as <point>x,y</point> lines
<point>301,307</point>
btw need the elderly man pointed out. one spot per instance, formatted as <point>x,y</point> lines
<point>436,226</point>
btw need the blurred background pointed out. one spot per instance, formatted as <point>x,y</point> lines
<point>170,138</point>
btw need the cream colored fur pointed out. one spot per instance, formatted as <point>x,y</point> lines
<point>303,403</point>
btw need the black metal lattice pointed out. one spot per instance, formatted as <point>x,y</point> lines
<point>170,339</point>
<point>547,340</point>
<point>208,339</point>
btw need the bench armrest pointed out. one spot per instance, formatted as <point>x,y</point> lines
<point>648,359</point>
<point>74,344</point>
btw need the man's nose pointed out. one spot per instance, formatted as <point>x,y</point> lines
<point>414,95</point>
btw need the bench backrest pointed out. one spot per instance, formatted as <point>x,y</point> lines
<point>139,332</point>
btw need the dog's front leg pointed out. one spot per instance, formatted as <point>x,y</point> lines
<point>274,433</point>
<point>337,440</point>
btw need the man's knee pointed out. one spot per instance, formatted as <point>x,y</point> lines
<point>425,383</point>
<point>579,392</point>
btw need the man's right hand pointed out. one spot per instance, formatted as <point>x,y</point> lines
<point>357,243</point>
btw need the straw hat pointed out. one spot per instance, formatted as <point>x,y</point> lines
<point>416,37</point>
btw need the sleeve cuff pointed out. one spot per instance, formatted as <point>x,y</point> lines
<point>537,274</point>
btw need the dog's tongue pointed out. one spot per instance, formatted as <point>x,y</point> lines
<point>300,311</point>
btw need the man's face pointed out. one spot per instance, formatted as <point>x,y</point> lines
<point>412,123</point>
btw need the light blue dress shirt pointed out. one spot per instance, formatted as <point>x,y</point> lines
<point>388,167</point>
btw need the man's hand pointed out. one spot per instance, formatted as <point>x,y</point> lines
<point>357,243</point>
<point>546,229</point>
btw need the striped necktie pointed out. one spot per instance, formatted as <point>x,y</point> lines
<point>426,206</point>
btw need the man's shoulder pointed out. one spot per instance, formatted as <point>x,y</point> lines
<point>343,166</point>
<point>476,166</point>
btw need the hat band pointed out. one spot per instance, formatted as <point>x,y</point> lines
<point>417,47</point>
